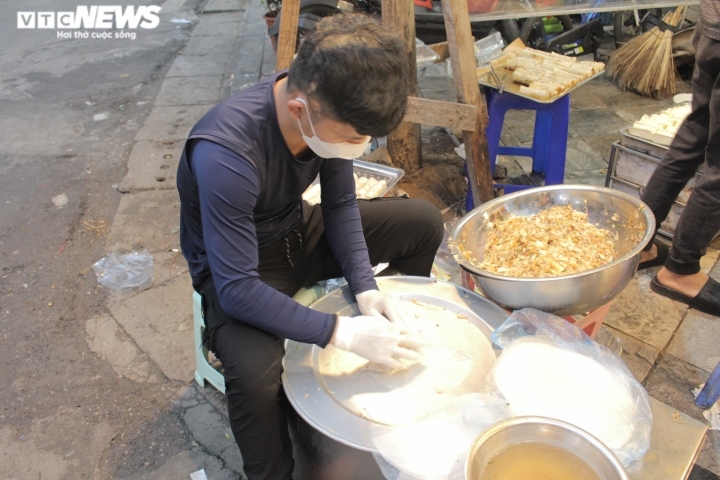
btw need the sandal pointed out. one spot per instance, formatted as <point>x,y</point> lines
<point>707,300</point>
<point>662,254</point>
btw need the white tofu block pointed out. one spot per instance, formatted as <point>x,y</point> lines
<point>662,137</point>
<point>642,130</point>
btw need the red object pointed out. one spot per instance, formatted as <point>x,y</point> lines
<point>424,3</point>
<point>481,6</point>
<point>590,323</point>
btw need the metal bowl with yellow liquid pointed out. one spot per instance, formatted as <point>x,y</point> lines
<point>538,447</point>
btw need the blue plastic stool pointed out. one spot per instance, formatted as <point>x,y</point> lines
<point>710,393</point>
<point>549,145</point>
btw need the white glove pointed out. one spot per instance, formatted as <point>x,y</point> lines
<point>374,302</point>
<point>377,340</point>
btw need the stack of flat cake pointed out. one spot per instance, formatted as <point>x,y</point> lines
<point>541,75</point>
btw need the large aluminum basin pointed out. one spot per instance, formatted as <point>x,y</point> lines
<point>629,218</point>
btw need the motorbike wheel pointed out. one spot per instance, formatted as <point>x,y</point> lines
<point>509,29</point>
<point>532,32</point>
<point>625,26</point>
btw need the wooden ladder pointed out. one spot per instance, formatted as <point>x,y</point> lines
<point>469,113</point>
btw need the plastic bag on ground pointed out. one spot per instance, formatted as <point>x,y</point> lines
<point>127,273</point>
<point>551,368</point>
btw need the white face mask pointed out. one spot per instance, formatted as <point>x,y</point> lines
<point>322,149</point>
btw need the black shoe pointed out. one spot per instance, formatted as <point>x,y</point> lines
<point>662,254</point>
<point>707,300</point>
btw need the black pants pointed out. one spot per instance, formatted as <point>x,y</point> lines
<point>403,232</point>
<point>697,142</point>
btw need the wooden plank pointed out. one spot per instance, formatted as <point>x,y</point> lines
<point>460,46</point>
<point>441,114</point>
<point>288,33</point>
<point>404,143</point>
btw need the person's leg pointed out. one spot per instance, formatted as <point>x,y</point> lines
<point>700,220</point>
<point>252,362</point>
<point>405,233</point>
<point>686,153</point>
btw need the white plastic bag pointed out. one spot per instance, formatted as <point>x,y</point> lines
<point>551,368</point>
<point>127,273</point>
<point>435,448</point>
<point>445,267</point>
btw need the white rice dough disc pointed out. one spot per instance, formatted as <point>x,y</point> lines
<point>539,378</point>
<point>455,361</point>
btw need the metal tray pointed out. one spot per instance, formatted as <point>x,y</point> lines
<point>645,145</point>
<point>510,86</point>
<point>649,144</point>
<point>382,172</point>
<point>306,389</point>
<point>367,169</point>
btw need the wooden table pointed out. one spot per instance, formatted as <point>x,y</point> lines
<point>675,443</point>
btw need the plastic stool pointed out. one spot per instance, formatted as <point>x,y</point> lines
<point>590,323</point>
<point>203,370</point>
<point>549,145</point>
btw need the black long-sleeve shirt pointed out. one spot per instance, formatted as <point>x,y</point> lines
<point>240,189</point>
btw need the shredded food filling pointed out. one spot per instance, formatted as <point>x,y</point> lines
<point>557,241</point>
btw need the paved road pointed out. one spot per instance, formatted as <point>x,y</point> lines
<point>69,111</point>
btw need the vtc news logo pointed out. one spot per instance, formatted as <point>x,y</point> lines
<point>93,17</point>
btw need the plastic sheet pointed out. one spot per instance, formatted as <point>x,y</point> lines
<point>127,273</point>
<point>551,368</point>
<point>335,283</point>
<point>445,267</point>
<point>435,448</point>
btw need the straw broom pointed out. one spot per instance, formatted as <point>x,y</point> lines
<point>645,64</point>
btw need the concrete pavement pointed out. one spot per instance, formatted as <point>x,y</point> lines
<point>147,337</point>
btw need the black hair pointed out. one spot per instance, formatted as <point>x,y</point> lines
<point>356,70</point>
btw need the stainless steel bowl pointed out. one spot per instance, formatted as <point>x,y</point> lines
<point>509,432</point>
<point>628,217</point>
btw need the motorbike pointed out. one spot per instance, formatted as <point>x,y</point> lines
<point>429,20</point>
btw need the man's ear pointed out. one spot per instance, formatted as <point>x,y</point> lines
<point>296,108</point>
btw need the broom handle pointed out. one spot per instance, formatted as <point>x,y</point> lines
<point>674,18</point>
